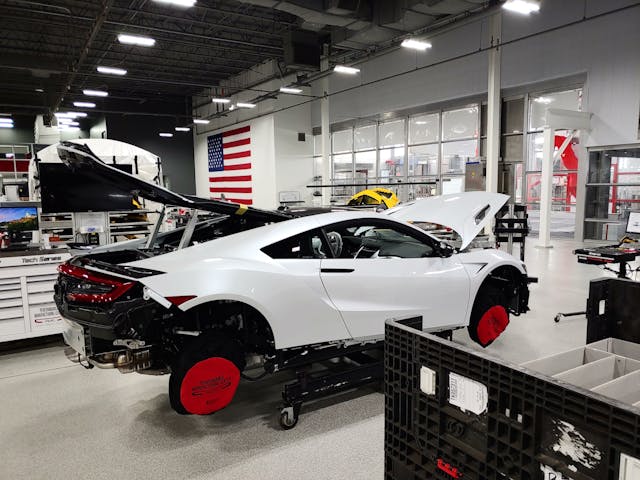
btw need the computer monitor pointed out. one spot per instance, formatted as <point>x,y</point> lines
<point>633,223</point>
<point>18,223</point>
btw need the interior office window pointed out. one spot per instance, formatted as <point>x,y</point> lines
<point>366,164</point>
<point>460,123</point>
<point>568,99</point>
<point>424,129</point>
<point>364,138</point>
<point>423,160</point>
<point>391,134</point>
<point>455,155</point>
<point>392,164</point>
<point>342,141</point>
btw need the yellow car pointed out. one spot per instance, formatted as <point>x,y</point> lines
<point>375,196</point>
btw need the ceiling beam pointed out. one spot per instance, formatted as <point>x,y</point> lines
<point>99,21</point>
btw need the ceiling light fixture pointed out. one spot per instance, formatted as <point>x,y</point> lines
<point>84,104</point>
<point>179,3</point>
<point>524,7</point>
<point>95,93</point>
<point>6,125</point>
<point>201,121</point>
<point>220,100</point>
<point>345,69</point>
<point>136,40</point>
<point>6,120</point>
<point>70,114</point>
<point>290,90</point>
<point>543,100</point>
<point>166,134</point>
<point>67,128</point>
<point>245,105</point>
<point>415,44</point>
<point>39,90</point>
<point>183,129</point>
<point>112,70</point>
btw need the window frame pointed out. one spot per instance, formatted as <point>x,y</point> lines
<point>316,231</point>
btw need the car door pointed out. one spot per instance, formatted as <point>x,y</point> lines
<point>299,305</point>
<point>382,268</point>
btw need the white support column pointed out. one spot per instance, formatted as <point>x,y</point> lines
<point>546,186</point>
<point>326,133</point>
<point>493,105</point>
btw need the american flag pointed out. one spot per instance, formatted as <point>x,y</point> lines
<point>230,165</point>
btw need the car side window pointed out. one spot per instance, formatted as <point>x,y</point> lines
<point>305,245</point>
<point>375,240</point>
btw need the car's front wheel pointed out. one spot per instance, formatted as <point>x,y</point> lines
<point>489,317</point>
<point>205,376</point>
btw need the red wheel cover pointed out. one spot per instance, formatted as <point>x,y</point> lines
<point>492,324</point>
<point>209,386</point>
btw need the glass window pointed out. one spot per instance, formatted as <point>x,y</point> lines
<point>423,160</point>
<point>452,184</point>
<point>342,141</point>
<point>424,129</point>
<point>391,164</point>
<point>317,145</point>
<point>364,138</point>
<point>512,117</point>
<point>306,245</point>
<point>511,148</point>
<point>342,163</point>
<point>366,163</point>
<point>377,240</point>
<point>428,188</point>
<point>570,100</point>
<point>460,123</point>
<point>456,154</point>
<point>392,134</point>
<point>567,161</point>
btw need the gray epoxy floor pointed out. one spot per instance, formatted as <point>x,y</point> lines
<point>59,421</point>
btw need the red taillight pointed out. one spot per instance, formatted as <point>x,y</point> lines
<point>179,300</point>
<point>93,287</point>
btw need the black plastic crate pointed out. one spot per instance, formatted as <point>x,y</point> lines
<point>530,421</point>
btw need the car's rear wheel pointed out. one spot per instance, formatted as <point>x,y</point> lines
<point>489,317</point>
<point>205,377</point>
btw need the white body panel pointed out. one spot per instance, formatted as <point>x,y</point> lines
<point>303,305</point>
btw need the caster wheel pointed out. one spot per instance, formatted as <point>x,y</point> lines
<point>557,318</point>
<point>288,418</point>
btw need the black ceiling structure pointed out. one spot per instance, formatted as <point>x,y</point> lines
<point>49,51</point>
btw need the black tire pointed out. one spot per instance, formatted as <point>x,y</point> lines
<point>208,345</point>
<point>487,297</point>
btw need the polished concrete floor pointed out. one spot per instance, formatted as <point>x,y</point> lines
<point>59,421</point>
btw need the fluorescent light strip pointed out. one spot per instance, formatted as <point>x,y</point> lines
<point>290,90</point>
<point>524,7</point>
<point>201,121</point>
<point>84,104</point>
<point>6,120</point>
<point>136,40</point>
<point>220,100</point>
<point>415,44</point>
<point>183,129</point>
<point>67,128</point>
<point>178,3</point>
<point>6,125</point>
<point>245,105</point>
<point>166,134</point>
<point>112,70</point>
<point>95,93</point>
<point>345,69</point>
<point>39,90</point>
<point>70,114</point>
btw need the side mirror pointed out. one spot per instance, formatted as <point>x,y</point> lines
<point>445,249</point>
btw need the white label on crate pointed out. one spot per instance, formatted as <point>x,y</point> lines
<point>550,474</point>
<point>467,394</point>
<point>629,468</point>
<point>427,380</point>
<point>45,315</point>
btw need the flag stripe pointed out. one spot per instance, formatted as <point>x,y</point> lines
<point>236,131</point>
<point>239,166</point>
<point>231,156</point>
<point>231,178</point>
<point>243,201</point>
<point>237,143</point>
<point>230,189</point>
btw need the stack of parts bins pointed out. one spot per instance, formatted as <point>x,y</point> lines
<point>453,412</point>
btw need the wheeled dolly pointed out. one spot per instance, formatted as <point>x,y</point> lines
<point>343,369</point>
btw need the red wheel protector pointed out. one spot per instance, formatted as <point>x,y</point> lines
<point>209,386</point>
<point>492,324</point>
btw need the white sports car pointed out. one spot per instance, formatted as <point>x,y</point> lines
<point>250,283</point>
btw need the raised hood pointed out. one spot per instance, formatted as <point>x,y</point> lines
<point>465,213</point>
<point>80,157</point>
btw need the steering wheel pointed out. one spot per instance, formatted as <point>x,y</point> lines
<point>335,242</point>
